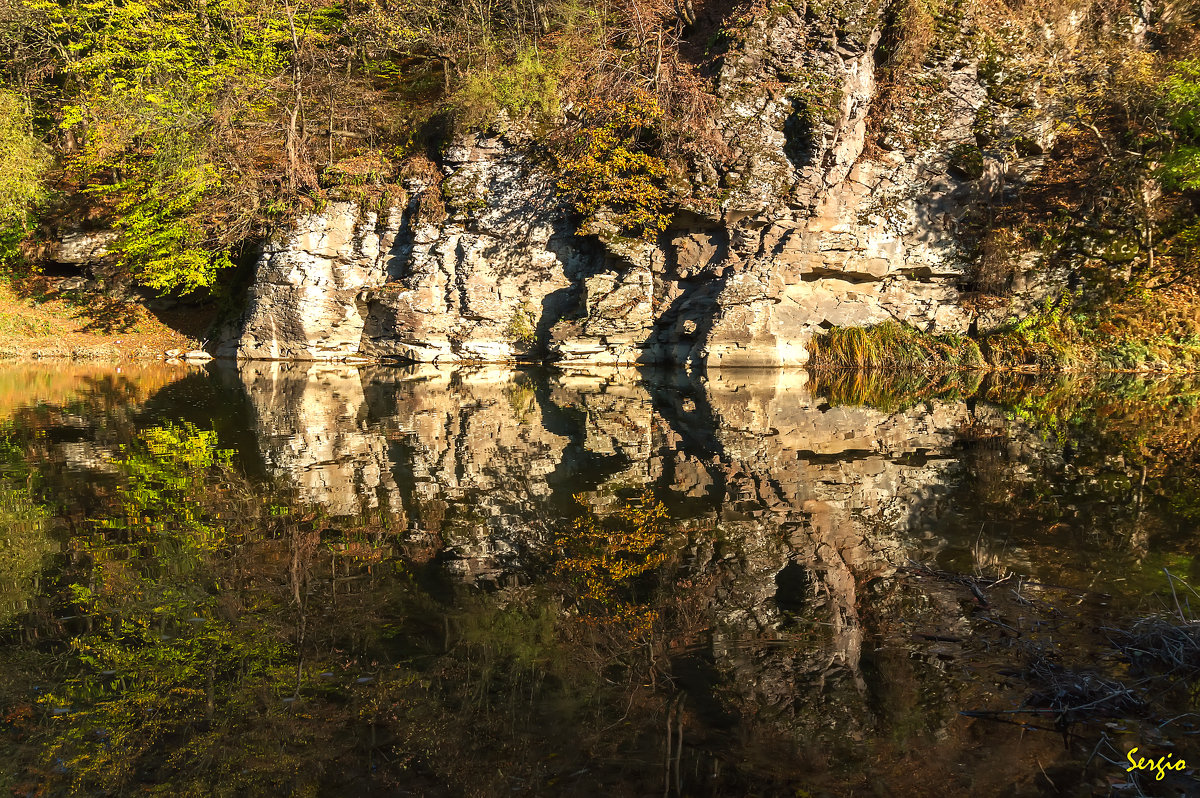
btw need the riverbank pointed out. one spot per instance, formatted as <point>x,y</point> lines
<point>1153,333</point>
<point>39,324</point>
<point>1145,332</point>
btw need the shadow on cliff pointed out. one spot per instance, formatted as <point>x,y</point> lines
<point>697,251</point>
<point>581,257</point>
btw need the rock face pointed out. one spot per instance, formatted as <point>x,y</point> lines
<point>80,248</point>
<point>802,230</point>
<point>478,284</point>
<point>308,295</point>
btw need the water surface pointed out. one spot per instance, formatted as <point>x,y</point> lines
<point>317,579</point>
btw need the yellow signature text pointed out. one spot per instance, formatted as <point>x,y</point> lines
<point>1160,766</point>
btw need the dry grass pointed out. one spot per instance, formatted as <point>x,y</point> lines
<point>1159,327</point>
<point>1074,695</point>
<point>893,346</point>
<point>1161,643</point>
<point>35,326</point>
<point>997,263</point>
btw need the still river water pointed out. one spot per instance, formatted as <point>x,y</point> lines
<point>281,579</point>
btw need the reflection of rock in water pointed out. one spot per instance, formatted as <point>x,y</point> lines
<point>821,497</point>
<point>497,449</point>
<point>479,453</point>
<point>808,502</point>
<point>312,430</point>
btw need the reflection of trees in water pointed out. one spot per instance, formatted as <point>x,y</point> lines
<point>473,633</point>
<point>602,556</point>
<point>26,528</point>
<point>1069,479</point>
<point>209,638</point>
<point>218,640</point>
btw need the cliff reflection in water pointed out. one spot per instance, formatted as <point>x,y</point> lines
<point>483,581</point>
<point>478,458</point>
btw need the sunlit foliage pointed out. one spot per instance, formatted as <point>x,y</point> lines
<point>193,125</point>
<point>23,163</point>
<point>609,173</point>
<point>150,89</point>
<point>603,554</point>
<point>1181,96</point>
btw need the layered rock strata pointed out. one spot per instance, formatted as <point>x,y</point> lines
<point>791,231</point>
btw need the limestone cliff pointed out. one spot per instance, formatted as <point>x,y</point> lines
<point>799,229</point>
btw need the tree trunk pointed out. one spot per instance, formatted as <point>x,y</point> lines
<point>294,136</point>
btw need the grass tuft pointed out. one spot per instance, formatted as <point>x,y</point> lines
<point>893,346</point>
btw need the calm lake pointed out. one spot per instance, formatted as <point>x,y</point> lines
<point>278,579</point>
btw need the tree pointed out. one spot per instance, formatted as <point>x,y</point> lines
<point>23,163</point>
<point>151,91</point>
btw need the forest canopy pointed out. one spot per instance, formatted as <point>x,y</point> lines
<point>189,127</point>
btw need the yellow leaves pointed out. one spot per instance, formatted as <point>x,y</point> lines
<point>602,555</point>
<point>637,109</point>
<point>612,171</point>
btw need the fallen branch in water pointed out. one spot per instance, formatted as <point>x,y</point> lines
<point>1159,643</point>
